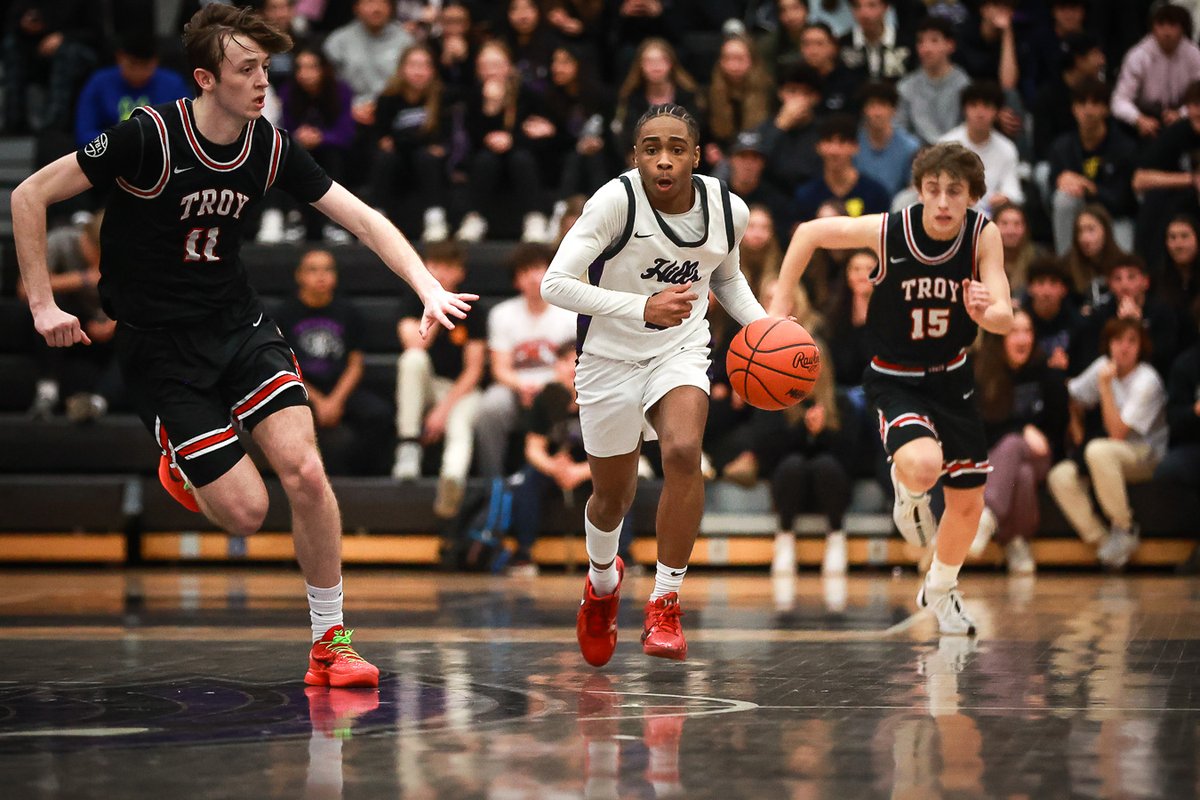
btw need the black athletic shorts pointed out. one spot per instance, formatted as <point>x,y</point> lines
<point>194,387</point>
<point>939,404</point>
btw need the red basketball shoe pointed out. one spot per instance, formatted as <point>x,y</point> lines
<point>596,622</point>
<point>333,662</point>
<point>176,485</point>
<point>663,635</point>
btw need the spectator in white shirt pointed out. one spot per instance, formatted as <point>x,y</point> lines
<point>981,102</point>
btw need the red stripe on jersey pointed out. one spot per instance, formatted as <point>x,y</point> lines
<point>194,141</point>
<point>881,270</point>
<point>262,393</point>
<point>208,441</point>
<point>166,152</point>
<point>276,153</point>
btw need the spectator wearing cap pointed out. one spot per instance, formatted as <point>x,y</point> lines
<point>981,104</point>
<point>1082,59</point>
<point>930,96</point>
<point>839,84</point>
<point>1168,176</point>
<point>747,162</point>
<point>1056,320</point>
<point>840,179</point>
<point>873,47</point>
<point>1092,164</point>
<point>790,137</point>
<point>1156,73</point>
<point>885,152</point>
<point>111,94</point>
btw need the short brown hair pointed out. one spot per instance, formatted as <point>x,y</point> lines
<point>207,34</point>
<point>1119,326</point>
<point>446,251</point>
<point>954,160</point>
<point>528,255</point>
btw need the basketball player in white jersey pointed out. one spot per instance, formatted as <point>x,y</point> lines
<point>637,267</point>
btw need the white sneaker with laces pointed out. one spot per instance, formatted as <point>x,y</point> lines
<point>436,229</point>
<point>1118,546</point>
<point>472,228</point>
<point>984,533</point>
<point>408,461</point>
<point>834,560</point>
<point>534,227</point>
<point>947,606</point>
<point>1019,557</point>
<point>913,515</point>
<point>784,560</point>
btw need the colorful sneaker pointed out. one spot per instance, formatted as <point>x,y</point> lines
<point>333,662</point>
<point>176,484</point>
<point>596,622</point>
<point>662,635</point>
<point>332,711</point>
<point>952,616</point>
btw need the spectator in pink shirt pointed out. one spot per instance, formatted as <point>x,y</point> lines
<point>1156,71</point>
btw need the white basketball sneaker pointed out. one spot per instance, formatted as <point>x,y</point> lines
<point>913,515</point>
<point>952,616</point>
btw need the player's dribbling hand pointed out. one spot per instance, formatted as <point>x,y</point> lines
<point>59,328</point>
<point>976,297</point>
<point>671,306</point>
<point>441,305</point>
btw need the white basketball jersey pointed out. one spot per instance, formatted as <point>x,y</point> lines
<point>650,256</point>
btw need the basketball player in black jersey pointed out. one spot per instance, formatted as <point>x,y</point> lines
<point>940,276</point>
<point>199,355</point>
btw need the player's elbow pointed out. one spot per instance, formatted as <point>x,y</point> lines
<point>550,288</point>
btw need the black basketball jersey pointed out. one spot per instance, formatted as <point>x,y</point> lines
<point>917,317</point>
<point>170,241</point>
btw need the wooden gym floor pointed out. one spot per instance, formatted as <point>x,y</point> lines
<point>187,683</point>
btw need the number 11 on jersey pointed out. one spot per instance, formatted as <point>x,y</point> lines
<point>193,251</point>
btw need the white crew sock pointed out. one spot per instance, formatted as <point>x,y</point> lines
<point>601,549</point>
<point>667,580</point>
<point>324,608</point>
<point>942,577</point>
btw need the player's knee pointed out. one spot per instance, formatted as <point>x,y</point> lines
<point>680,458</point>
<point>305,478</point>
<point>246,517</point>
<point>608,508</point>
<point>965,503</point>
<point>921,471</point>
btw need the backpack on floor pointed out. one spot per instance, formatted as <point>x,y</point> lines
<point>476,536</point>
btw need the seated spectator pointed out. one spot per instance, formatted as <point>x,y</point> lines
<point>437,386</point>
<point>1132,440</point>
<point>637,22</point>
<point>325,333</point>
<point>849,348</point>
<point>454,48</point>
<point>1049,44</point>
<point>1056,321</point>
<point>1093,254</point>
<point>839,84</point>
<point>582,23</point>
<point>365,53</point>
<point>747,165</point>
<point>760,251</point>
<point>780,46</point>
<point>502,126</point>
<point>885,152</point>
<point>654,77</point>
<point>524,334</point>
<point>1179,279</point>
<point>111,94</point>
<point>739,97</point>
<point>1092,164</point>
<point>1180,468</point>
<point>1156,72</point>
<point>790,137</point>
<point>1130,298</point>
<point>581,109</point>
<point>51,45</point>
<point>837,145</point>
<point>1167,177</point>
<point>1023,403</point>
<point>411,130</point>
<point>988,52</point>
<point>931,96</point>
<point>88,377</point>
<point>554,460</point>
<point>531,41</point>
<point>1019,249</point>
<point>873,47</point>
<point>316,111</point>
<point>1052,109</point>
<point>981,104</point>
<point>822,280</point>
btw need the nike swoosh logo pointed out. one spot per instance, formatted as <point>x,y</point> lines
<point>895,260</point>
<point>177,170</point>
<point>257,321</point>
<point>677,574</point>
<point>967,396</point>
<point>642,235</point>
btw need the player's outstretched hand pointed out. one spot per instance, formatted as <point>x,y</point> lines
<point>441,306</point>
<point>59,328</point>
<point>671,306</point>
<point>977,298</point>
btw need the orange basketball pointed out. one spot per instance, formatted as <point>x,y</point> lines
<point>773,363</point>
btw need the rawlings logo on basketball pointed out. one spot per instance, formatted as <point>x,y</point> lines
<point>806,361</point>
<point>96,147</point>
<point>670,271</point>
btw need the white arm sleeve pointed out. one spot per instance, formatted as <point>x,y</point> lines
<point>600,225</point>
<point>728,283</point>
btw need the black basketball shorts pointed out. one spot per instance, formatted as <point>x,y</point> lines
<point>195,387</point>
<point>940,405</point>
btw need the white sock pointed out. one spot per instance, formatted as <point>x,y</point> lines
<point>667,580</point>
<point>324,608</point>
<point>942,577</point>
<point>601,549</point>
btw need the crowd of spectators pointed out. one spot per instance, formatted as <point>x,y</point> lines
<point>464,120</point>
